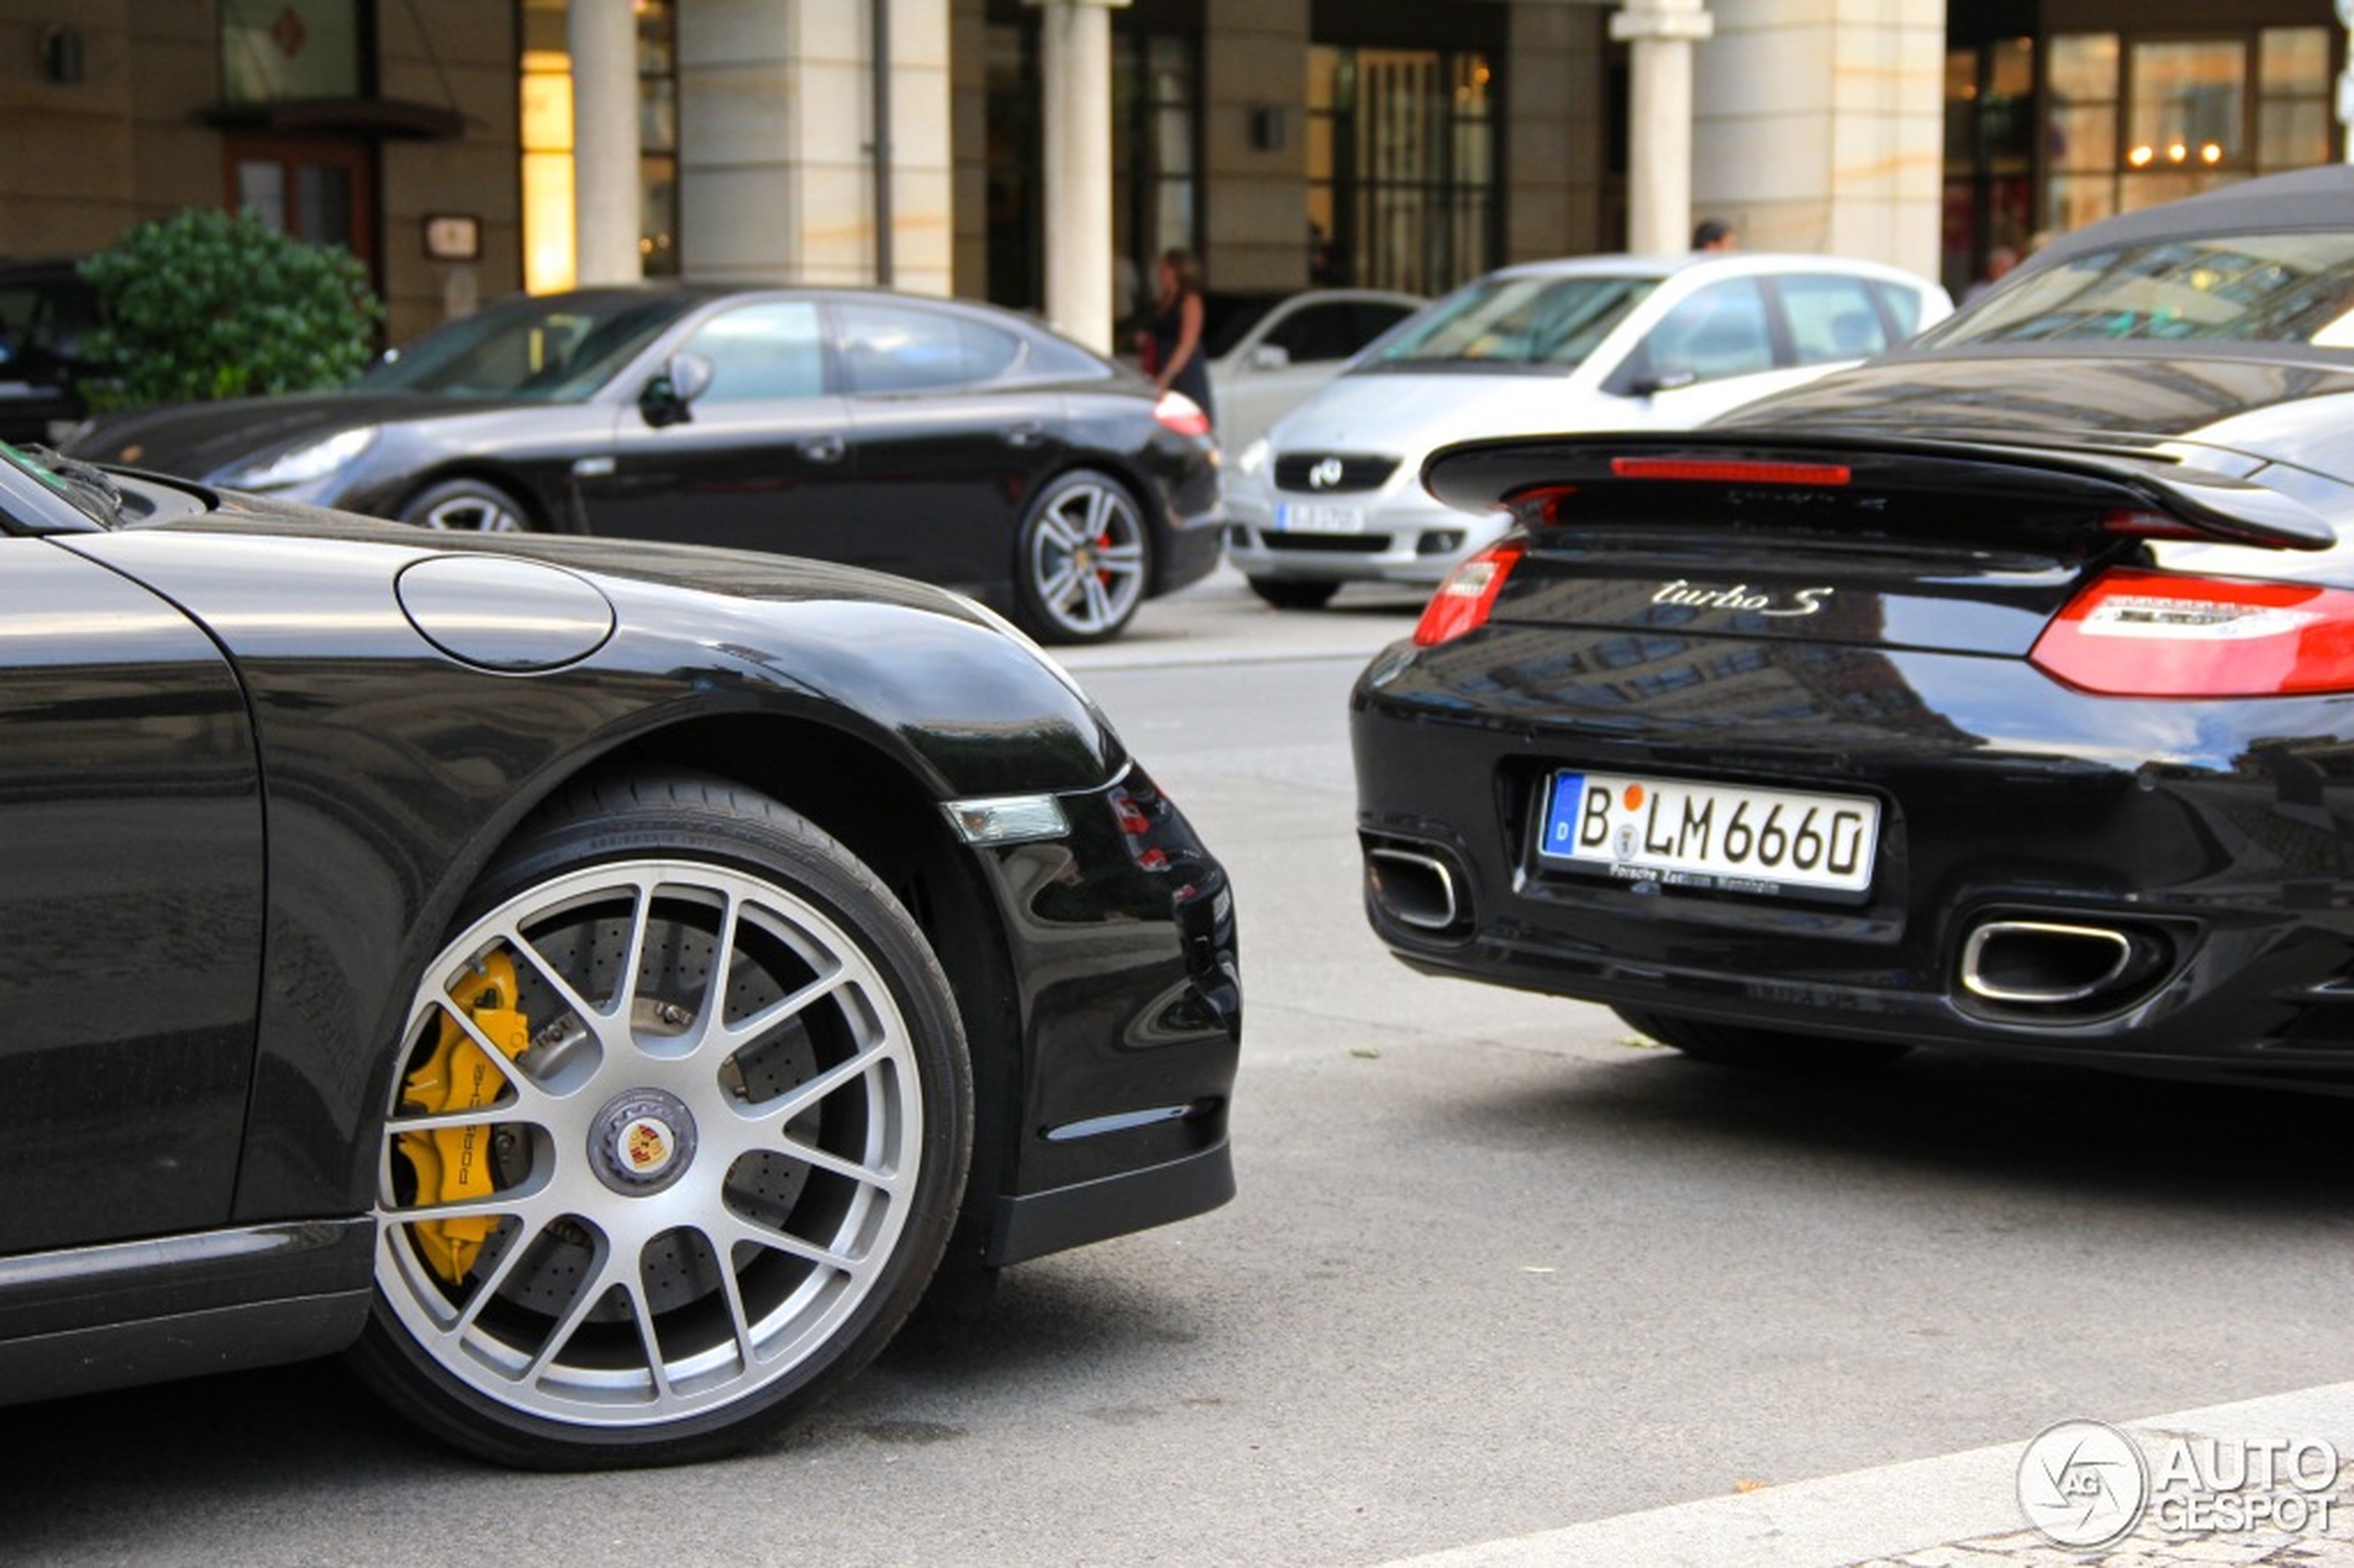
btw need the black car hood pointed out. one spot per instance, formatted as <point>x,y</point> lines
<point>202,439</point>
<point>740,573</point>
<point>2274,408</point>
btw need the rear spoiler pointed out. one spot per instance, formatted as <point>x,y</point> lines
<point>1522,474</point>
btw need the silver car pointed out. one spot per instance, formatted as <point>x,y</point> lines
<point>1268,357</point>
<point>1334,494</point>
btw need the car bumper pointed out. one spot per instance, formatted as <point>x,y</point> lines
<point>1405,537</point>
<point>2216,841</point>
<point>1125,931</point>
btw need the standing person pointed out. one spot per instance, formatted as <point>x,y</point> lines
<point>1714,233</point>
<point>1999,262</point>
<point>1177,359</point>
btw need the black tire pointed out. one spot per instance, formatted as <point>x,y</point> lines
<point>1773,1050</point>
<point>470,506</point>
<point>700,1222</point>
<point>1286,593</point>
<point>1084,560</point>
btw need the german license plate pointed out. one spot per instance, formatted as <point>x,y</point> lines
<point>1727,836</point>
<point>1320,517</point>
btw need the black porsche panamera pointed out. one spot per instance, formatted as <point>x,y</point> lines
<point>596,984</point>
<point>1998,694</point>
<point>939,439</point>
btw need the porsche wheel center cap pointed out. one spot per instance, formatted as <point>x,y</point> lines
<point>643,1141</point>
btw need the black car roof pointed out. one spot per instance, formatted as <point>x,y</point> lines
<point>2304,199</point>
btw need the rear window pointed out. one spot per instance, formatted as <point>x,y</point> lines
<point>1831,318</point>
<point>2242,288</point>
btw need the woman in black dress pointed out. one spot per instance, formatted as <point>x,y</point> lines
<point>1178,361</point>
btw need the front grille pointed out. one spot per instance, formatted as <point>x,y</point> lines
<point>1339,472</point>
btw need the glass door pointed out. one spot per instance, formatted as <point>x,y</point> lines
<point>322,192</point>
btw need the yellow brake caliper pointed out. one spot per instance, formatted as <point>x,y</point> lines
<point>453,1163</point>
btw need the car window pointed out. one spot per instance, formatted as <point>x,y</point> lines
<point>1374,317</point>
<point>2294,287</point>
<point>1830,318</point>
<point>761,352</point>
<point>1514,319</point>
<point>1905,305</point>
<point>1717,332</point>
<point>48,314</point>
<point>891,348</point>
<point>558,348</point>
<point>1314,333</point>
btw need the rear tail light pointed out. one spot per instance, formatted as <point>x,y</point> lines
<point>2150,634</point>
<point>1178,413</point>
<point>1463,601</point>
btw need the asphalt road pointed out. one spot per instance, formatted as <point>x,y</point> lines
<point>1495,1269</point>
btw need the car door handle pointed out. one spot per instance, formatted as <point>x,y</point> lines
<point>822,448</point>
<point>1025,435</point>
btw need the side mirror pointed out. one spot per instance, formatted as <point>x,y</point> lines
<point>1650,385</point>
<point>670,396</point>
<point>1269,356</point>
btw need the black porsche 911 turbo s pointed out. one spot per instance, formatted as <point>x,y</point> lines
<point>939,439</point>
<point>597,984</point>
<point>1998,694</point>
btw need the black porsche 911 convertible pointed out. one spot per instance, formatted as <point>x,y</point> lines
<point>1998,694</point>
<point>596,984</point>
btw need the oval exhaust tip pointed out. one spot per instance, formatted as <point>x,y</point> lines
<point>2039,962</point>
<point>1417,889</point>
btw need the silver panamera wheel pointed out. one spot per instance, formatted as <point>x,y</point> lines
<point>674,1137</point>
<point>468,506</point>
<point>1085,559</point>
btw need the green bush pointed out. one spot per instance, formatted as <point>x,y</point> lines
<point>209,304</point>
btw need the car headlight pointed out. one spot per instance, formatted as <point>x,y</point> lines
<point>300,465</point>
<point>1254,456</point>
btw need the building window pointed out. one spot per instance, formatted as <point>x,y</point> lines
<point>2133,121</point>
<point>658,135</point>
<point>1401,166</point>
<point>2293,108</point>
<point>1015,150</point>
<point>1990,156</point>
<point>1156,118</point>
<point>1153,185</point>
<point>550,259</point>
<point>282,51</point>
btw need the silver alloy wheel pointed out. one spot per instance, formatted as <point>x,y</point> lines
<point>1086,558</point>
<point>655,1206</point>
<point>475,509</point>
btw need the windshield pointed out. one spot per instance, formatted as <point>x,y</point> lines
<point>2238,288</point>
<point>1512,320</point>
<point>556,349</point>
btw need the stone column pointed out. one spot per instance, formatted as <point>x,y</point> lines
<point>1658,158</point>
<point>1075,61</point>
<point>604,38</point>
